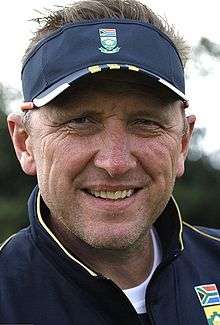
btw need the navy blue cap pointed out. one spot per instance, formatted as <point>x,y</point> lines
<point>78,49</point>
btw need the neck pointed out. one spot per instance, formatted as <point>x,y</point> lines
<point>126,267</point>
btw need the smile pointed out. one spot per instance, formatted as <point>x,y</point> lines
<point>118,194</point>
<point>112,195</point>
<point>111,199</point>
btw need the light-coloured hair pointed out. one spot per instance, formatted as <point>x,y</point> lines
<point>51,20</point>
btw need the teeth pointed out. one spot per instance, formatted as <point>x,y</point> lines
<point>112,195</point>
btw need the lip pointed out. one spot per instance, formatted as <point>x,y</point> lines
<point>108,204</point>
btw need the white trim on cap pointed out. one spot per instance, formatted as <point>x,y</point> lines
<point>174,89</point>
<point>38,102</point>
<point>43,100</point>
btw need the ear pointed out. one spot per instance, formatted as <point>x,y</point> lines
<point>22,143</point>
<point>190,120</point>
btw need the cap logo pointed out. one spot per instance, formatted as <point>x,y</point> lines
<point>109,41</point>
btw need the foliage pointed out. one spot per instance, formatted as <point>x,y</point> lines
<point>207,46</point>
<point>15,186</point>
<point>197,193</point>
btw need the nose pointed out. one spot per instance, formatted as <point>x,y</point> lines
<point>115,154</point>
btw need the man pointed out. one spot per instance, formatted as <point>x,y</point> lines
<point>105,132</point>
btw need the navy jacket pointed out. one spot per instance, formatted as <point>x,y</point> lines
<point>43,284</point>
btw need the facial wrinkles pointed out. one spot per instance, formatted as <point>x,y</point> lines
<point>157,154</point>
<point>162,151</point>
<point>170,129</point>
<point>165,115</point>
<point>45,140</point>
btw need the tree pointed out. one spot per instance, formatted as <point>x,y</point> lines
<point>15,186</point>
<point>198,190</point>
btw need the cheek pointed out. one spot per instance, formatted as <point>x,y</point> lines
<point>159,156</point>
<point>59,160</point>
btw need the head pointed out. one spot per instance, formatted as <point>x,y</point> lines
<point>89,10</point>
<point>108,149</point>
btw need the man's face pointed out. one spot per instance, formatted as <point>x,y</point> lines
<point>107,155</point>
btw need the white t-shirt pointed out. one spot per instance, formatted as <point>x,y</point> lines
<point>136,295</point>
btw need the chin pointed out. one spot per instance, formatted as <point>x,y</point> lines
<point>115,240</point>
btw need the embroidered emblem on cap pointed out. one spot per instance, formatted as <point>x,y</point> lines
<point>109,41</point>
<point>208,295</point>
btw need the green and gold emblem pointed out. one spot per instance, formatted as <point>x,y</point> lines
<point>210,301</point>
<point>109,41</point>
<point>213,314</point>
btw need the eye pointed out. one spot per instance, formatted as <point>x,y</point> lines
<point>145,122</point>
<point>84,121</point>
<point>83,125</point>
<point>81,120</point>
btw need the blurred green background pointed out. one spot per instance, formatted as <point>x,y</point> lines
<point>197,193</point>
<point>15,186</point>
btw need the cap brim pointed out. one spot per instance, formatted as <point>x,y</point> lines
<point>56,89</point>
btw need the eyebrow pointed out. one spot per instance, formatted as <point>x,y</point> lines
<point>74,113</point>
<point>152,110</point>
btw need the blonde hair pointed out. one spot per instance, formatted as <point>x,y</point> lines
<point>51,20</point>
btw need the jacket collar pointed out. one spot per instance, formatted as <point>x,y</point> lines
<point>168,226</point>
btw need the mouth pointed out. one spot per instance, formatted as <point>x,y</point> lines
<point>112,195</point>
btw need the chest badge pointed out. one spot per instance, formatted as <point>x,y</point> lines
<point>210,301</point>
<point>108,38</point>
